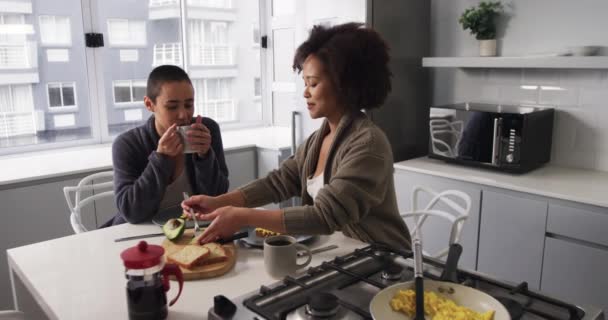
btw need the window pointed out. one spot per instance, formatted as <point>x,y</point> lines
<point>129,91</point>
<point>214,99</point>
<point>40,65</point>
<point>128,33</point>
<point>61,94</point>
<point>17,115</point>
<point>55,30</point>
<point>257,87</point>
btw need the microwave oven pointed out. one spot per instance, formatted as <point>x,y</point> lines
<point>509,138</point>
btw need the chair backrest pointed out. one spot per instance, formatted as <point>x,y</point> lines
<point>11,315</point>
<point>87,184</point>
<point>457,212</point>
<point>440,129</point>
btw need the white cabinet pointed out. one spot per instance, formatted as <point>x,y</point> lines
<point>30,214</point>
<point>576,272</point>
<point>559,247</point>
<point>241,166</point>
<point>268,160</point>
<point>511,237</point>
<point>436,231</point>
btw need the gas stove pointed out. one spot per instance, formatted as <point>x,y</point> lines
<point>343,288</point>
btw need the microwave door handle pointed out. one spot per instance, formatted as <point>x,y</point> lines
<point>496,140</point>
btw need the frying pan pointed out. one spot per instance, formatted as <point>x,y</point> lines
<point>471,298</point>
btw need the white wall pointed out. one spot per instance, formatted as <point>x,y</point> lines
<point>580,138</point>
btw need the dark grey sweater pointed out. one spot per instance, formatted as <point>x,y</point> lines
<point>141,175</point>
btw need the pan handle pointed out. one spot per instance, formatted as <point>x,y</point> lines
<point>450,272</point>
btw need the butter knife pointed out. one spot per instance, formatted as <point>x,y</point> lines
<point>141,236</point>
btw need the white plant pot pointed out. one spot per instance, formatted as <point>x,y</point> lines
<point>487,48</point>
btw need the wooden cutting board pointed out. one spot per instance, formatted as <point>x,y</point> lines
<point>204,271</point>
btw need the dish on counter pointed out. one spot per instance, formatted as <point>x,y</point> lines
<point>255,241</point>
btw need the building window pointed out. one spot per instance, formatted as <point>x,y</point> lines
<point>55,30</point>
<point>123,32</point>
<point>257,87</point>
<point>215,99</point>
<point>129,91</point>
<point>16,111</point>
<point>61,94</point>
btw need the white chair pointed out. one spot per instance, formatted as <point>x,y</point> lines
<point>456,215</point>
<point>440,128</point>
<point>87,184</point>
<point>11,315</point>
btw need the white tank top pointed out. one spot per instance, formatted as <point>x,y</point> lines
<point>314,185</point>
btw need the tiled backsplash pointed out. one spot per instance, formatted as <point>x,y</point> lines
<point>580,97</point>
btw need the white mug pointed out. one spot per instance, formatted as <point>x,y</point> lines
<point>280,256</point>
<point>182,132</point>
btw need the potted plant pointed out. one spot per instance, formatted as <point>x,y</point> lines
<point>481,21</point>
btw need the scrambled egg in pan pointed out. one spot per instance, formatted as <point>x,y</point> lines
<point>264,233</point>
<point>436,306</point>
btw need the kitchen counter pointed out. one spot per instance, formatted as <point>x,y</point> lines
<point>584,186</point>
<point>52,163</point>
<point>82,276</point>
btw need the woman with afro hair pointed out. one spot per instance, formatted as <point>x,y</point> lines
<point>343,171</point>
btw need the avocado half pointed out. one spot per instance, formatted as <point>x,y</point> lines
<point>174,228</point>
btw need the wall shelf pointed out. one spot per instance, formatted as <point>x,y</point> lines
<point>568,62</point>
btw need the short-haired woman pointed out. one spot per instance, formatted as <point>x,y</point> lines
<point>344,170</point>
<point>151,169</point>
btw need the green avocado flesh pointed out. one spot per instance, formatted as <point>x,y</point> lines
<point>174,228</point>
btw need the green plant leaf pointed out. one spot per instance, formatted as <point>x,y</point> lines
<point>480,20</point>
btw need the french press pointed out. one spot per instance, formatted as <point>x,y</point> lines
<point>148,281</point>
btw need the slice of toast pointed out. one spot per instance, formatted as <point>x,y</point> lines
<point>217,253</point>
<point>189,256</point>
<point>195,240</point>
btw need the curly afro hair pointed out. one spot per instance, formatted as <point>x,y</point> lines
<point>356,60</point>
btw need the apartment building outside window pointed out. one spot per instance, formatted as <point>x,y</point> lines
<point>62,95</point>
<point>16,111</point>
<point>209,43</point>
<point>55,30</point>
<point>129,91</point>
<point>65,94</point>
<point>9,28</point>
<point>214,99</point>
<point>127,33</point>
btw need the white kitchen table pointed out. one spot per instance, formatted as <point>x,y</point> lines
<point>82,276</point>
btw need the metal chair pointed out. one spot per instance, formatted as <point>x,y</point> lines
<point>11,315</point>
<point>456,215</point>
<point>87,184</point>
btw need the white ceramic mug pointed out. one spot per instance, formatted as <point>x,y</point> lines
<point>182,132</point>
<point>280,256</point>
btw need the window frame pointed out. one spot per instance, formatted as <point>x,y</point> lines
<point>129,104</point>
<point>55,44</point>
<point>129,43</point>
<point>62,108</point>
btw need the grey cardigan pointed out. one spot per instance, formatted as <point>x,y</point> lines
<point>141,175</point>
<point>358,197</point>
